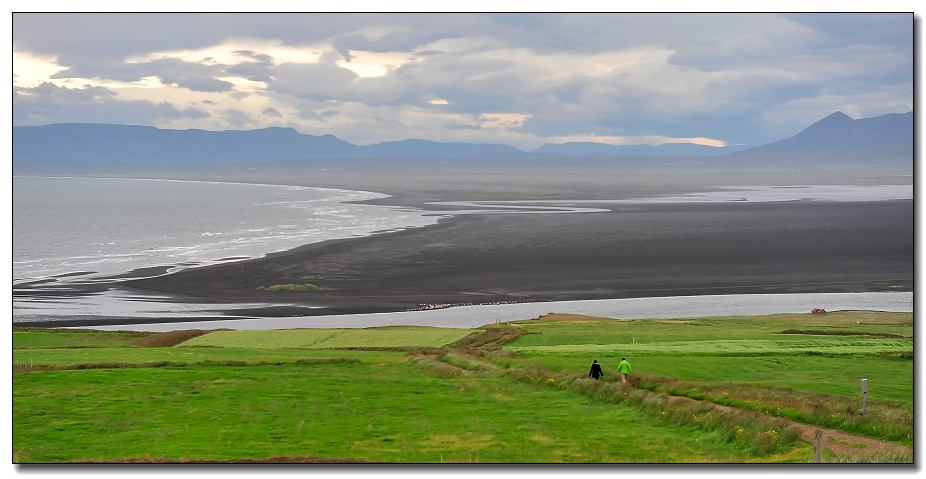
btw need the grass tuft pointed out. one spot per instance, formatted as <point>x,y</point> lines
<point>290,287</point>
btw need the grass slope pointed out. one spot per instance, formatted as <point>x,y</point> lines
<point>384,337</point>
<point>369,412</point>
<point>511,393</point>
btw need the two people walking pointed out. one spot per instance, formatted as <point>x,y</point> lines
<point>623,368</point>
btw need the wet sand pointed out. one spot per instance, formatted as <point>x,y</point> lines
<point>631,251</point>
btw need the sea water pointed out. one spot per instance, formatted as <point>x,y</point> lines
<point>476,316</point>
<point>78,229</point>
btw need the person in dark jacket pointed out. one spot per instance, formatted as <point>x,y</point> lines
<point>596,371</point>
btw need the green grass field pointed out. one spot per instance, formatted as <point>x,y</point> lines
<point>385,337</point>
<point>750,350</point>
<point>510,393</point>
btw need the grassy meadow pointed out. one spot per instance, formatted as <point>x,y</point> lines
<point>507,393</point>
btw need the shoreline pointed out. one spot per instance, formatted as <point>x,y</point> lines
<point>631,251</point>
<point>84,267</point>
<point>478,316</point>
<point>623,250</point>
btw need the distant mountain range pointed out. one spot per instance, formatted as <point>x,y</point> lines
<point>839,136</point>
<point>68,146</point>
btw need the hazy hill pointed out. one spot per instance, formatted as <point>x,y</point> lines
<point>884,141</point>
<point>840,139</point>
<point>101,143</point>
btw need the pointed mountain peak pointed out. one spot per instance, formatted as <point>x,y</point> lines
<point>837,116</point>
<point>833,122</point>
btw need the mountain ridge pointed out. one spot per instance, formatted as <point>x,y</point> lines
<point>831,140</point>
<point>839,134</point>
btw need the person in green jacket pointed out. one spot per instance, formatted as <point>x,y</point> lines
<point>624,369</point>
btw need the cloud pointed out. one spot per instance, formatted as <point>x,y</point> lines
<point>91,104</point>
<point>316,81</point>
<point>873,29</point>
<point>193,76</point>
<point>738,78</point>
<point>259,69</point>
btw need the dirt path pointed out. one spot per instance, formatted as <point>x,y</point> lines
<point>837,442</point>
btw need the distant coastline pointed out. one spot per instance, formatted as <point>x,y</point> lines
<point>624,249</point>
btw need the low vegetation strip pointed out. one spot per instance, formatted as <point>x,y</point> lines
<point>745,347</point>
<point>825,332</point>
<point>175,364</point>
<point>23,358</point>
<point>493,337</point>
<point>147,459</point>
<point>171,338</point>
<point>884,420</point>
<point>563,329</point>
<point>48,338</point>
<point>393,337</point>
<point>290,287</point>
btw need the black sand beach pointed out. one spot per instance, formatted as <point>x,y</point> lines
<point>631,251</point>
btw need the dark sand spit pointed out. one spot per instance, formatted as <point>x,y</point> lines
<point>631,251</point>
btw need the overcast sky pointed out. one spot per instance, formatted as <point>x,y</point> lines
<point>517,79</point>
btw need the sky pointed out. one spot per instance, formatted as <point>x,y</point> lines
<point>517,79</point>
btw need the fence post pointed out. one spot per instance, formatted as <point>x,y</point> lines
<point>818,446</point>
<point>864,396</point>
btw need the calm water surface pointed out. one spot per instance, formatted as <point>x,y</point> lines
<point>632,308</point>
